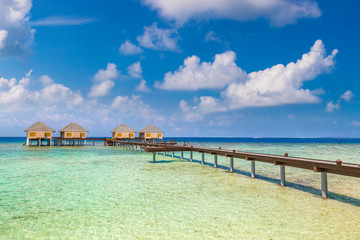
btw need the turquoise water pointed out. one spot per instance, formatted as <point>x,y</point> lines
<point>110,193</point>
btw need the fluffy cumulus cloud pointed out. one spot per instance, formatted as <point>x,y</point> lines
<point>133,106</point>
<point>331,106</point>
<point>275,86</point>
<point>158,38</point>
<point>277,12</point>
<point>104,81</point>
<point>128,48</point>
<point>16,95</point>
<point>3,35</point>
<point>194,75</point>
<point>347,96</point>
<point>135,71</point>
<point>16,34</point>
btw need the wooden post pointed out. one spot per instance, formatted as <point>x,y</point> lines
<point>282,175</point>
<point>182,155</point>
<point>253,169</point>
<point>173,154</point>
<point>164,153</point>
<point>191,156</point>
<point>324,185</point>
<point>215,161</point>
<point>231,164</point>
<point>202,158</point>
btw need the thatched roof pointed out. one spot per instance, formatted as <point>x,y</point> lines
<point>123,128</point>
<point>73,127</point>
<point>39,127</point>
<point>151,129</point>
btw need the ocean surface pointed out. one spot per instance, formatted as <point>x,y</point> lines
<point>110,193</point>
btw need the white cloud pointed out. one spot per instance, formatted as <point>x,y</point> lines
<point>211,36</point>
<point>62,21</point>
<point>109,73</point>
<point>135,70</point>
<point>355,123</point>
<point>14,21</point>
<point>277,12</point>
<point>194,75</point>
<point>275,86</point>
<point>16,96</point>
<point>46,80</point>
<point>190,114</point>
<point>159,39</point>
<point>347,96</point>
<point>330,106</point>
<point>134,107</point>
<point>142,87</point>
<point>58,93</point>
<point>3,35</point>
<point>128,48</point>
<point>104,81</point>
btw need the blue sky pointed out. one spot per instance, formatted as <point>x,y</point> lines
<point>228,68</point>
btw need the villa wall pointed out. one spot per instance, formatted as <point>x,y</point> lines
<point>151,135</point>
<point>73,134</point>
<point>123,135</point>
<point>35,135</point>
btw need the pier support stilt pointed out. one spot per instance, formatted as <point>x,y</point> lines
<point>215,161</point>
<point>282,175</point>
<point>154,157</point>
<point>324,185</point>
<point>173,154</point>
<point>202,158</point>
<point>191,156</point>
<point>253,169</point>
<point>231,164</point>
<point>182,155</point>
<point>164,153</point>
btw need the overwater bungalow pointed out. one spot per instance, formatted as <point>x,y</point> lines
<point>123,131</point>
<point>38,132</point>
<point>151,132</point>
<point>73,130</point>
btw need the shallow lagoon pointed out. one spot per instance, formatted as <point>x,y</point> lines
<point>106,192</point>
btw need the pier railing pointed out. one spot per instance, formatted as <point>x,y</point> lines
<point>316,165</point>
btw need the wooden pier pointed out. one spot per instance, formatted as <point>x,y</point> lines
<point>60,141</point>
<point>320,166</point>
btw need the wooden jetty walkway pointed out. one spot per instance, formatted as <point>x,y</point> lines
<point>316,165</point>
